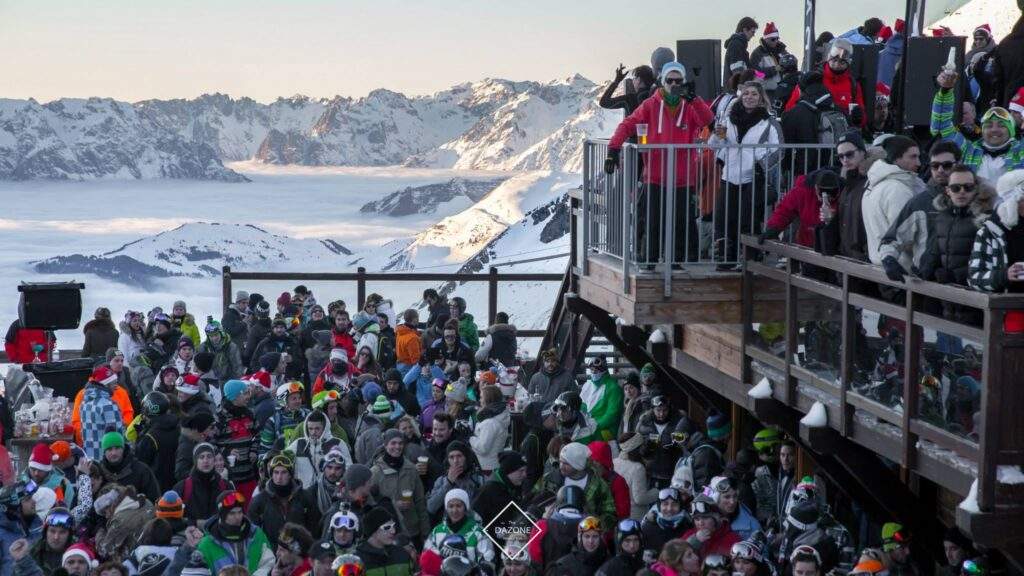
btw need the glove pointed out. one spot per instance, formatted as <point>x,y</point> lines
<point>612,161</point>
<point>768,234</point>
<point>857,116</point>
<point>893,270</point>
<point>942,276</point>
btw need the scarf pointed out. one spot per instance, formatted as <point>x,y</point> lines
<point>392,461</point>
<point>325,492</point>
<point>671,100</point>
<point>745,119</point>
<point>456,527</point>
<point>281,491</point>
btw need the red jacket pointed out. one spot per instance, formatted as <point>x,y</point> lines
<point>667,126</point>
<point>18,343</point>
<point>345,342</point>
<point>601,452</point>
<point>720,543</point>
<point>839,87</point>
<point>803,202</point>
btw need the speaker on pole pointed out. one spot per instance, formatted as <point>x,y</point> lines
<point>50,305</point>
<point>703,61</point>
<point>925,56</point>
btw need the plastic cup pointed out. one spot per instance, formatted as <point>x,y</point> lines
<point>641,133</point>
<point>407,496</point>
<point>422,463</point>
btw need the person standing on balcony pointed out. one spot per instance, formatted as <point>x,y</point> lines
<point>673,115</point>
<point>636,89</point>
<point>602,399</point>
<point>813,201</point>
<point>997,257</point>
<point>767,57</point>
<point>891,184</point>
<point>737,58</point>
<point>740,205</point>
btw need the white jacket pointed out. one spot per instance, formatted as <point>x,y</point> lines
<point>889,188</point>
<point>489,439</point>
<point>640,496</point>
<point>740,162</point>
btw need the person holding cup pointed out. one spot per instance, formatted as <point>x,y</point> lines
<point>674,114</point>
<point>462,471</point>
<point>396,478</point>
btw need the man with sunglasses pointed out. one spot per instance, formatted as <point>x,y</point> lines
<point>997,152</point>
<point>379,552</point>
<point>847,95</point>
<point>910,230</point>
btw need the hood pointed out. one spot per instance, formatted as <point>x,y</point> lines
<point>871,157</point>
<point>883,171</point>
<point>326,436</point>
<point>492,410</point>
<point>98,323</point>
<point>502,328</point>
<point>980,207</point>
<point>95,391</point>
<point>737,37</point>
<point>402,329</point>
<point>466,317</point>
<point>165,421</point>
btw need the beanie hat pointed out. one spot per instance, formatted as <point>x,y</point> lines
<point>660,57</point>
<point>457,494</point>
<point>370,392</point>
<point>44,498</point>
<point>718,425</point>
<point>601,452</point>
<point>391,434</point>
<point>893,536</point>
<point>885,33</point>
<point>954,535</point>
<point>112,439</point>
<point>103,375</point>
<point>374,519</point>
<point>170,506</point>
<point>203,361</point>
<point>198,421</point>
<point>672,67</point>
<point>82,551</point>
<point>852,137</point>
<point>234,388</point>
<point>185,342</point>
<point>770,30</point>
<point>900,26</point>
<point>284,299</point>
<point>456,391</point>
<point>262,309</point>
<point>393,375</point>
<point>169,369</point>
<point>203,448</point>
<point>61,450</point>
<point>153,564</point>
<point>647,370</point>
<point>868,566</point>
<point>113,353</point>
<point>381,405</point>
<point>509,461</point>
<point>882,91</point>
<point>804,515</point>
<point>827,179</point>
<point>270,360</point>
<point>575,454</point>
<point>1017,103</point>
<point>42,457</point>
<point>212,326</point>
<point>339,354</point>
<point>357,476</point>
<point>189,384</point>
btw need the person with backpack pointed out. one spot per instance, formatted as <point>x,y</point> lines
<point>199,490</point>
<point>158,443</point>
<point>790,79</point>
<point>705,460</point>
<point>847,95</point>
<point>813,120</point>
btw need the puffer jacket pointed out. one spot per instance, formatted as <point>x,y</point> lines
<point>390,483</point>
<point>274,507</point>
<point>910,231</point>
<point>804,203</point>
<point>666,125</point>
<point>491,434</point>
<point>408,346</point>
<point>889,189</point>
<point>948,255</point>
<point>765,60</point>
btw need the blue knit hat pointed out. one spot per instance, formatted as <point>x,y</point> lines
<point>370,392</point>
<point>233,388</point>
<point>672,67</point>
<point>718,425</point>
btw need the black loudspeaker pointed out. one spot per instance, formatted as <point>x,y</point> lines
<point>703,60</point>
<point>66,377</point>
<point>50,305</point>
<point>925,57</point>
<point>864,70</point>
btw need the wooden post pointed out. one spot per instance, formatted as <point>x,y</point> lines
<point>226,287</point>
<point>361,287</point>
<point>492,294</point>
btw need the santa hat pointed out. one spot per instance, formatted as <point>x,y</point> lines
<point>189,384</point>
<point>885,33</point>
<point>770,30</point>
<point>900,26</point>
<point>1017,103</point>
<point>42,457</point>
<point>103,375</point>
<point>82,551</point>
<point>984,28</point>
<point>882,91</point>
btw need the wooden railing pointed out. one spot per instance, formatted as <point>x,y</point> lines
<point>826,296</point>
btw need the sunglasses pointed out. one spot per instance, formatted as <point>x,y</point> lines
<point>944,165</point>
<point>590,523</point>
<point>957,188</point>
<point>847,155</point>
<point>669,81</point>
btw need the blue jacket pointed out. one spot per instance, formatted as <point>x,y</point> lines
<point>855,37</point>
<point>888,58</point>
<point>99,415</point>
<point>422,383</point>
<point>12,529</point>
<point>745,524</point>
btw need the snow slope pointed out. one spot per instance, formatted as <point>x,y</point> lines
<point>1001,15</point>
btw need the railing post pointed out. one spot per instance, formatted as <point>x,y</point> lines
<point>628,182</point>
<point>225,274</point>
<point>492,294</point>
<point>361,287</point>
<point>587,190</point>
<point>668,192</point>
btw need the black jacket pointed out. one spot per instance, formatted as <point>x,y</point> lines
<point>281,344</point>
<point>622,563</point>
<point>579,563</point>
<point>436,309</point>
<point>735,53</point>
<point>495,496</point>
<point>199,493</point>
<point>503,343</point>
<point>627,102</point>
<point>800,126</point>
<point>131,472</point>
<point>306,340</point>
<point>100,335</point>
<point>157,447</point>
<point>1010,53</point>
<point>950,242</point>
<point>235,326</point>
<point>382,560</point>
<point>258,330</point>
<point>273,511</point>
<point>661,456</point>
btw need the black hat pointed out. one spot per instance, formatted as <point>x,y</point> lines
<point>270,360</point>
<point>200,421</point>
<point>852,137</point>
<point>509,461</point>
<point>374,519</point>
<point>827,180</point>
<point>204,361</point>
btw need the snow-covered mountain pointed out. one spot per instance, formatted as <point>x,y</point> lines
<point>425,199</point>
<point>197,250</point>
<point>1001,15</point>
<point>80,139</point>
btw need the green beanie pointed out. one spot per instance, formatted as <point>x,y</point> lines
<point>767,439</point>
<point>647,369</point>
<point>112,440</point>
<point>381,405</point>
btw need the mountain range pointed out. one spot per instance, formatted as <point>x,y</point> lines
<point>492,124</point>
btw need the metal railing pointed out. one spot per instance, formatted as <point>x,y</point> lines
<point>931,363</point>
<point>669,206</point>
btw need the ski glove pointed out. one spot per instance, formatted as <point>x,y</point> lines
<point>768,234</point>
<point>893,270</point>
<point>612,161</point>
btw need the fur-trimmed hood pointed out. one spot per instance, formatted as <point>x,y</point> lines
<point>981,207</point>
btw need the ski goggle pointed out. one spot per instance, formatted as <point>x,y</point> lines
<point>60,520</point>
<point>669,494</point>
<point>715,561</point>
<point>805,550</point>
<point>233,499</point>
<point>590,523</point>
<point>292,387</point>
<point>724,485</point>
<point>346,522</point>
<point>745,551</point>
<point>629,526</point>
<point>971,568</point>
<point>997,112</point>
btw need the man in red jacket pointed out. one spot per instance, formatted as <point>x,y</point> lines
<point>847,95</point>
<point>601,455</point>
<point>19,343</point>
<point>806,201</point>
<point>674,114</point>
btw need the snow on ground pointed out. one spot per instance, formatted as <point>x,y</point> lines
<point>1001,15</point>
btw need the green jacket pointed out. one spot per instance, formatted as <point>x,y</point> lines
<point>469,332</point>
<point>390,561</point>
<point>478,545</point>
<point>259,558</point>
<point>188,328</point>
<point>597,496</point>
<point>972,152</point>
<point>607,410</point>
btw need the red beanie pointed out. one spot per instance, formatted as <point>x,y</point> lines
<point>601,452</point>
<point>42,457</point>
<point>430,563</point>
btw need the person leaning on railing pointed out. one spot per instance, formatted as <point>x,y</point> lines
<point>674,114</point>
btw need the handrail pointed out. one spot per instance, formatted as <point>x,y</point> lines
<point>998,439</point>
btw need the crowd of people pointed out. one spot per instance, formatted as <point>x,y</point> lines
<point>289,438</point>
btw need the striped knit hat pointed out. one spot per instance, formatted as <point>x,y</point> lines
<point>170,506</point>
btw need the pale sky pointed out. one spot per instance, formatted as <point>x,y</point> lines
<point>138,49</point>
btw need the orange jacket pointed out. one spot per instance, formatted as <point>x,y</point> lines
<point>119,396</point>
<point>407,345</point>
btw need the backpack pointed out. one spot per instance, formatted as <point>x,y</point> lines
<point>832,124</point>
<point>386,356</point>
<point>683,476</point>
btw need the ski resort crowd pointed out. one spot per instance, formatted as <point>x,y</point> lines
<point>291,438</point>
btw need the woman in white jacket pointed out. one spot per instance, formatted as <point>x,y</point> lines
<point>740,203</point>
<point>630,466</point>
<point>491,432</point>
